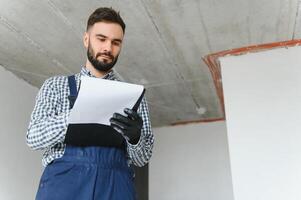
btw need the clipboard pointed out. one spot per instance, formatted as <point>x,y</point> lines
<point>98,134</point>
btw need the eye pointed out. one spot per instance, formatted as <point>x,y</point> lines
<point>102,39</point>
<point>116,43</point>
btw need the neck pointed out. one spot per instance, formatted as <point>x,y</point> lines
<point>95,72</point>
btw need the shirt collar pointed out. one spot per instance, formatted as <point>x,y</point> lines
<point>111,75</point>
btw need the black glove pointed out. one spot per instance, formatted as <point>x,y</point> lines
<point>130,126</point>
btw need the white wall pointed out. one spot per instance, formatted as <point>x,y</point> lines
<point>262,93</point>
<point>190,162</point>
<point>20,168</point>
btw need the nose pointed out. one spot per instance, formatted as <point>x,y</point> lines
<point>108,47</point>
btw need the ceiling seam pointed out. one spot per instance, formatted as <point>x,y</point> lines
<point>149,15</point>
<point>21,78</point>
<point>26,72</point>
<point>152,85</point>
<point>296,18</point>
<point>60,14</point>
<point>166,50</point>
<point>162,106</point>
<point>5,22</point>
<point>203,24</point>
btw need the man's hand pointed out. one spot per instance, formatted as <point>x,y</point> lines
<point>130,126</point>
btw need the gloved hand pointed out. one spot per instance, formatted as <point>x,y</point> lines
<point>129,126</point>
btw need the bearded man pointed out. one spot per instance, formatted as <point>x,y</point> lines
<point>91,167</point>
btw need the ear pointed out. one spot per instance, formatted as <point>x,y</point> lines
<point>86,39</point>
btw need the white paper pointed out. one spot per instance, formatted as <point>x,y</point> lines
<point>98,99</point>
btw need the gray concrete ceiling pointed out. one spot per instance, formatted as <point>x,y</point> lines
<point>163,49</point>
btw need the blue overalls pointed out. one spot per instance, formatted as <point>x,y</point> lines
<point>88,173</point>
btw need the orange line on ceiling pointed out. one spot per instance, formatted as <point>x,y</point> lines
<point>197,121</point>
<point>212,61</point>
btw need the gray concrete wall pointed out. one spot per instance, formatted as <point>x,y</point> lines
<point>190,162</point>
<point>20,168</point>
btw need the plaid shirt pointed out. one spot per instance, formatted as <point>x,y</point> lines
<point>49,121</point>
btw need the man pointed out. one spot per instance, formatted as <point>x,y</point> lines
<point>89,171</point>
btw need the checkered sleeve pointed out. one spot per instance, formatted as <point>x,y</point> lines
<point>141,152</point>
<point>46,127</point>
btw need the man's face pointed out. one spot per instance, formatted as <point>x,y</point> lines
<point>103,42</point>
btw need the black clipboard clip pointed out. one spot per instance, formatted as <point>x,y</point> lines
<point>137,104</point>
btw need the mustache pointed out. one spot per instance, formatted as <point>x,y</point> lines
<point>106,54</point>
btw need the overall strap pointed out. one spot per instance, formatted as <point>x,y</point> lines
<point>73,90</point>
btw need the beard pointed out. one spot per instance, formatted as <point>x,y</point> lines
<point>99,65</point>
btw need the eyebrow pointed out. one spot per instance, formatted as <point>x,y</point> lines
<point>101,35</point>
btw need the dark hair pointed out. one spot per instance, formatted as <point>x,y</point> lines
<point>107,15</point>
